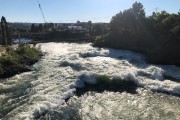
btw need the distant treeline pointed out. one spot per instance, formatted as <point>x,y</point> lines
<point>158,35</point>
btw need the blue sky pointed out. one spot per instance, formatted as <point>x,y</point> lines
<point>73,10</point>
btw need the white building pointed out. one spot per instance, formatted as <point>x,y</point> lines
<point>75,28</point>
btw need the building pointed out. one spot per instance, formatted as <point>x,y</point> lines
<point>77,29</point>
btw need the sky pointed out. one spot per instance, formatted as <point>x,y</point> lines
<point>68,11</point>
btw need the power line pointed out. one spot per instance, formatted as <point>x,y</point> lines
<point>41,11</point>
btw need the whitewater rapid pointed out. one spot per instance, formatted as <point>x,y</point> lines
<point>67,66</point>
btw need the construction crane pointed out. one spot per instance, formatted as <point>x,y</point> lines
<point>41,11</point>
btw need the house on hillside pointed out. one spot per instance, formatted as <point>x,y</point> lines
<point>77,29</point>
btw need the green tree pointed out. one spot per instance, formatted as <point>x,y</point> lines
<point>97,29</point>
<point>78,22</point>
<point>33,28</point>
<point>5,32</point>
<point>157,35</point>
<point>128,27</point>
<point>89,25</point>
<point>165,25</point>
<point>138,10</point>
<point>130,20</point>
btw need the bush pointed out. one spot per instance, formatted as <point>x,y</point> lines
<point>99,38</point>
<point>15,61</point>
<point>28,54</point>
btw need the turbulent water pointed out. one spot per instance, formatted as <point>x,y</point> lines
<point>42,92</point>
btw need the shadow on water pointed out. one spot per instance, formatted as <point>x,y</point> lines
<point>104,83</point>
<point>135,59</point>
<point>172,78</point>
<point>125,86</point>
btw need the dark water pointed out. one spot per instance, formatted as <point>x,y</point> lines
<point>22,40</point>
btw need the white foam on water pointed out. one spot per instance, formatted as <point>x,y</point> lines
<point>67,66</point>
<point>2,86</point>
<point>69,94</point>
<point>115,106</point>
<point>157,73</point>
<point>2,96</point>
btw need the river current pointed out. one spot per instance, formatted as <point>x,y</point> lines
<point>41,93</point>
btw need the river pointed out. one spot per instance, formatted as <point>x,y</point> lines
<point>42,92</point>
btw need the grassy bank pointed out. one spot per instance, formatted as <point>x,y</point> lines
<point>14,61</point>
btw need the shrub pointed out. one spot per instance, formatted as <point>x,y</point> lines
<point>99,38</point>
<point>28,54</point>
<point>9,58</point>
<point>15,61</point>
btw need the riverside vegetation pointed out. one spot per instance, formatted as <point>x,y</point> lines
<point>158,35</point>
<point>14,61</point>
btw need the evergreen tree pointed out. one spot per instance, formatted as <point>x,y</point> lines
<point>5,32</point>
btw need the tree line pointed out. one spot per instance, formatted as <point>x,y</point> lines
<point>157,35</point>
